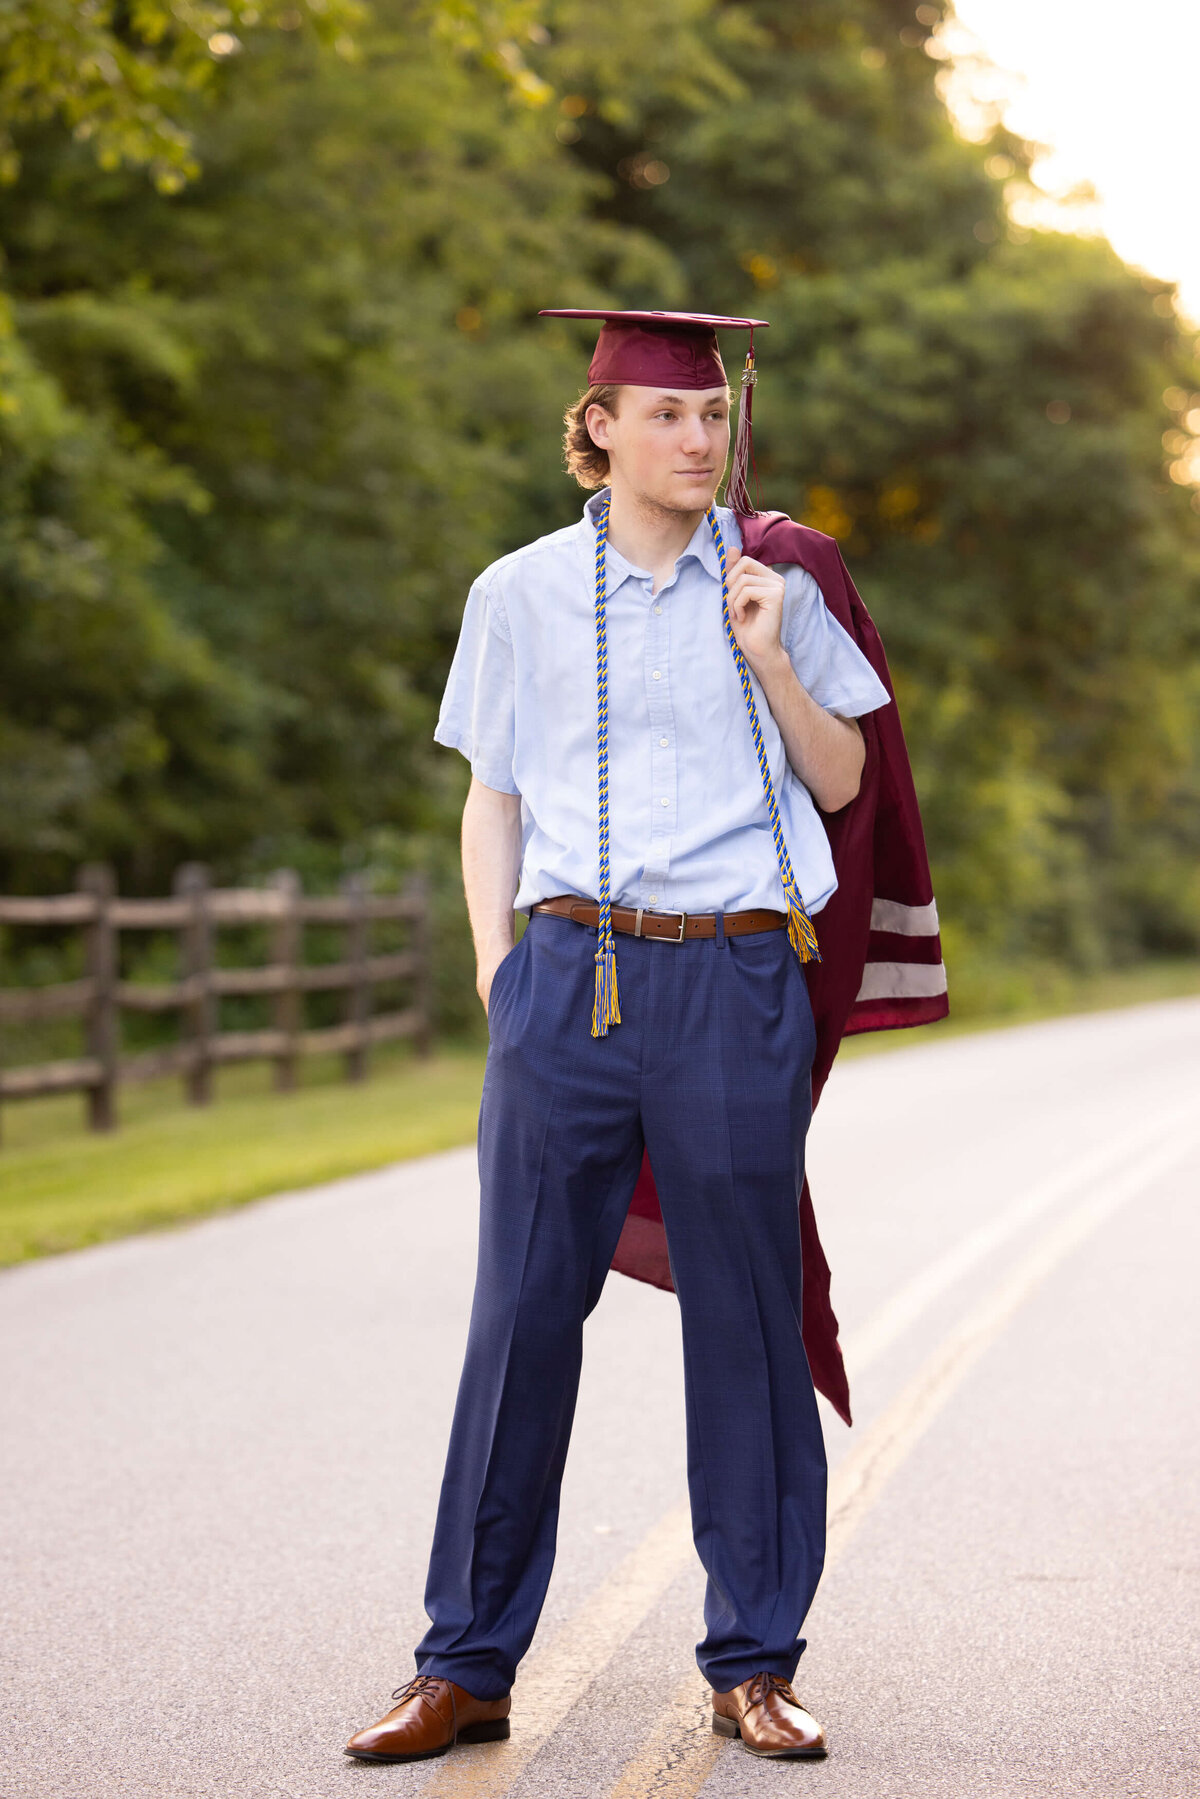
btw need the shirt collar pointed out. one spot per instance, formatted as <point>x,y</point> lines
<point>700,545</point>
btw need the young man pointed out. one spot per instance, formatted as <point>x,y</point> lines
<point>652,720</point>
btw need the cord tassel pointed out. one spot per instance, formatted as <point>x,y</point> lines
<point>606,1007</point>
<point>801,933</point>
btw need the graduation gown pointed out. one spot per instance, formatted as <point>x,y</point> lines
<point>881,962</point>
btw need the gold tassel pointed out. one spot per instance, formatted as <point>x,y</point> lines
<point>737,490</point>
<point>606,1007</point>
<point>801,934</point>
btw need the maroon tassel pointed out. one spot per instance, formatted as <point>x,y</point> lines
<point>737,492</point>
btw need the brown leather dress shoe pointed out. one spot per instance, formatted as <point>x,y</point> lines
<point>766,1714</point>
<point>433,1715</point>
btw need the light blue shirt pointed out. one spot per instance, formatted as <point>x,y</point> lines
<point>687,816</point>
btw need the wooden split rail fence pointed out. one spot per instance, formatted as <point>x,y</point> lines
<point>195,912</point>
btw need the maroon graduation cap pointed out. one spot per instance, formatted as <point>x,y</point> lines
<point>674,349</point>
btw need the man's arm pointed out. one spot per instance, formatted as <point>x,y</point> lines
<point>827,752</point>
<point>491,864</point>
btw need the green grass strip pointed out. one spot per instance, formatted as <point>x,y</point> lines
<point>62,1187</point>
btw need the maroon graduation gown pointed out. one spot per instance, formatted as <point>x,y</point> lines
<point>881,960</point>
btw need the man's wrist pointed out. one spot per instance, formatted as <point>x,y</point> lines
<point>494,944</point>
<point>772,668</point>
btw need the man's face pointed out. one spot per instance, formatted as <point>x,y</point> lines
<point>666,448</point>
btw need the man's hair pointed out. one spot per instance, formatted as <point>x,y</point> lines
<point>585,459</point>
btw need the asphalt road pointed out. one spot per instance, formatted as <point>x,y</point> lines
<point>222,1448</point>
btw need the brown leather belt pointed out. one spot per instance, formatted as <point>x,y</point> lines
<point>668,927</point>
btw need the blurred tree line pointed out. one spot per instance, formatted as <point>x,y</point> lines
<point>272,391</point>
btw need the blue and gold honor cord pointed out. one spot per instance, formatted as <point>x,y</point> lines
<point>606,1008</point>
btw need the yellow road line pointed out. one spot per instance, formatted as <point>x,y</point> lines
<point>865,1346</point>
<point>554,1676</point>
<point>865,1471</point>
<point>681,1751</point>
<point>674,1762</point>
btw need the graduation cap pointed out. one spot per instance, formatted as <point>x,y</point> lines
<point>675,349</point>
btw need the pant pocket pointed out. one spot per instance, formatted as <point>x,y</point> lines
<point>500,979</point>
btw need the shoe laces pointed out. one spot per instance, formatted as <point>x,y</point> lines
<point>421,1687</point>
<point>761,1686</point>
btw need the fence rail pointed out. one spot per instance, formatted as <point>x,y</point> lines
<point>195,913</point>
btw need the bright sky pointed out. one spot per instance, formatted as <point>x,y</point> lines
<point>1112,89</point>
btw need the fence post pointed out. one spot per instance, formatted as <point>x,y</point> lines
<point>418,888</point>
<point>102,1020</point>
<point>285,954</point>
<point>192,882</point>
<point>358,993</point>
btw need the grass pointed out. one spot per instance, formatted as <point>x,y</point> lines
<point>63,1188</point>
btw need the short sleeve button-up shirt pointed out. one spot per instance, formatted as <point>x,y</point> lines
<point>687,816</point>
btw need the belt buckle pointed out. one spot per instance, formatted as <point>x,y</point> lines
<point>682,923</point>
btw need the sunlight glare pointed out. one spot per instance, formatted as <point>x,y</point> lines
<point>1107,89</point>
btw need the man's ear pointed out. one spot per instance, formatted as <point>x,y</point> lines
<point>598,421</point>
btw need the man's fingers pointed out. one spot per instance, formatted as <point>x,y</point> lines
<point>749,574</point>
<point>750,584</point>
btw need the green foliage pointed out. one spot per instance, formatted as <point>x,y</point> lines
<point>272,391</point>
<point>125,77</point>
<point>115,712</point>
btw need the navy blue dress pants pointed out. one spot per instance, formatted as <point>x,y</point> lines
<point>710,1068</point>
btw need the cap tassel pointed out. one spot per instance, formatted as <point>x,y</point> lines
<point>737,492</point>
<point>606,1007</point>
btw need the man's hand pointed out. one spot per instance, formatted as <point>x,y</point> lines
<point>756,610</point>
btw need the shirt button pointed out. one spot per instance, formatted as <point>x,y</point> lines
<point>663,742</point>
<point>664,802</point>
<point>653,897</point>
<point>657,675</point>
<point>658,608</point>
